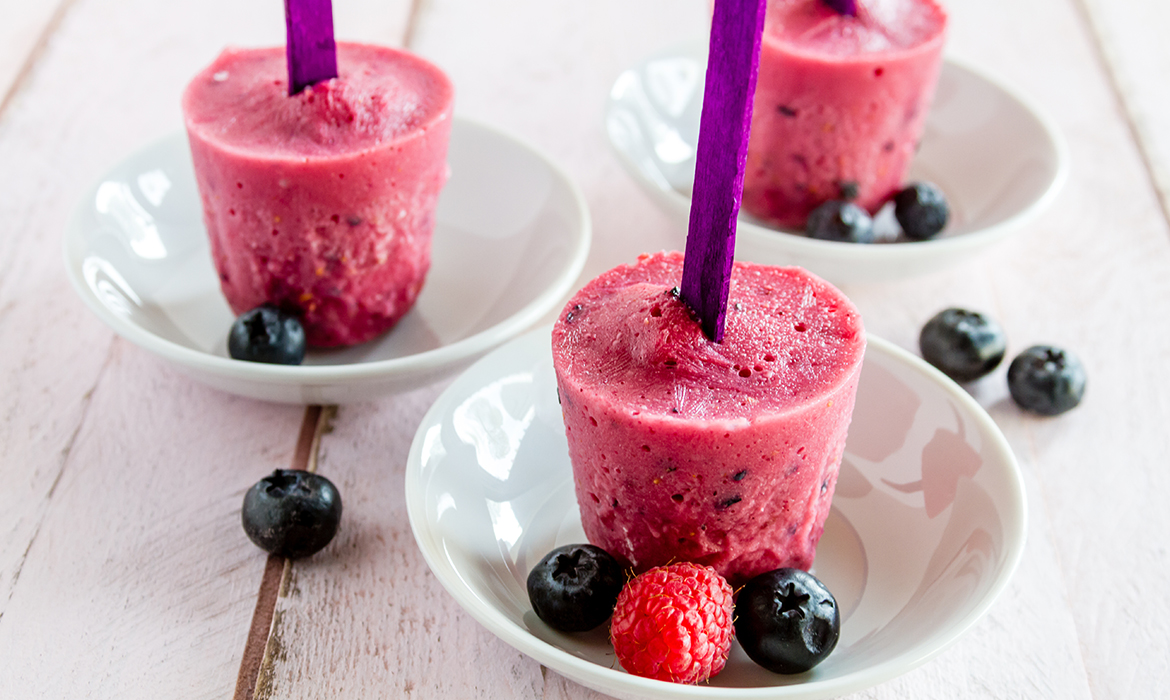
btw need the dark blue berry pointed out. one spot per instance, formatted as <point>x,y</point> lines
<point>836,220</point>
<point>965,345</point>
<point>786,620</point>
<point>1046,380</point>
<point>267,334</point>
<point>291,513</point>
<point>921,210</point>
<point>574,588</point>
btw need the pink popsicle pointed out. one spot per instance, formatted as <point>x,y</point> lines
<point>840,103</point>
<point>322,202</point>
<point>724,454</point>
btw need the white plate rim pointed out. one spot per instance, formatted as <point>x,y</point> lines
<point>298,375</point>
<point>615,681</point>
<point>762,236</point>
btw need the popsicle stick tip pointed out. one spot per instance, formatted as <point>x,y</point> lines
<point>311,49</point>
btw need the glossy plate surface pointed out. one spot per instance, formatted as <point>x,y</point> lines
<point>511,237</point>
<point>927,524</point>
<point>999,161</point>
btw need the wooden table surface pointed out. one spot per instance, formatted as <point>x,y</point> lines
<point>124,572</point>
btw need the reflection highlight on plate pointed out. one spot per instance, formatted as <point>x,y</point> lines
<point>915,550</point>
<point>484,422</point>
<point>136,225</point>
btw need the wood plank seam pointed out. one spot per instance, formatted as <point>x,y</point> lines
<point>34,56</point>
<point>87,398</point>
<point>260,632</point>
<point>1136,132</point>
<point>262,645</point>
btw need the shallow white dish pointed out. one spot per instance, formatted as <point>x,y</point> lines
<point>512,235</point>
<point>999,161</point>
<point>927,525</point>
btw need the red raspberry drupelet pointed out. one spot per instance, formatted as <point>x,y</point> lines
<point>674,623</point>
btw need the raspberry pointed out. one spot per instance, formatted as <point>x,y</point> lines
<point>674,623</point>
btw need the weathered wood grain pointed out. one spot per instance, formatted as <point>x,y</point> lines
<point>139,581</point>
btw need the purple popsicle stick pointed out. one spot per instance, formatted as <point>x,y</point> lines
<point>732,64</point>
<point>311,51</point>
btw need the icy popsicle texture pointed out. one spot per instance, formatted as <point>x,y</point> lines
<point>724,454</point>
<point>840,103</point>
<point>322,202</point>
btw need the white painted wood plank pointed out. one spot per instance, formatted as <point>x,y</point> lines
<point>25,23</point>
<point>139,582</point>
<point>1132,38</point>
<point>112,583</point>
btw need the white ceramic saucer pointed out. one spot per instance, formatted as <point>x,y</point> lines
<point>999,161</point>
<point>512,235</point>
<point>927,525</point>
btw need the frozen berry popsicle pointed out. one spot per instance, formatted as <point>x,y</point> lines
<point>840,103</point>
<point>322,202</point>
<point>724,454</point>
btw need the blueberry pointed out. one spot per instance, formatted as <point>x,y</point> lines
<point>574,588</point>
<point>267,334</point>
<point>786,620</point>
<point>921,210</point>
<point>836,220</point>
<point>291,513</point>
<point>965,345</point>
<point>1046,380</point>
